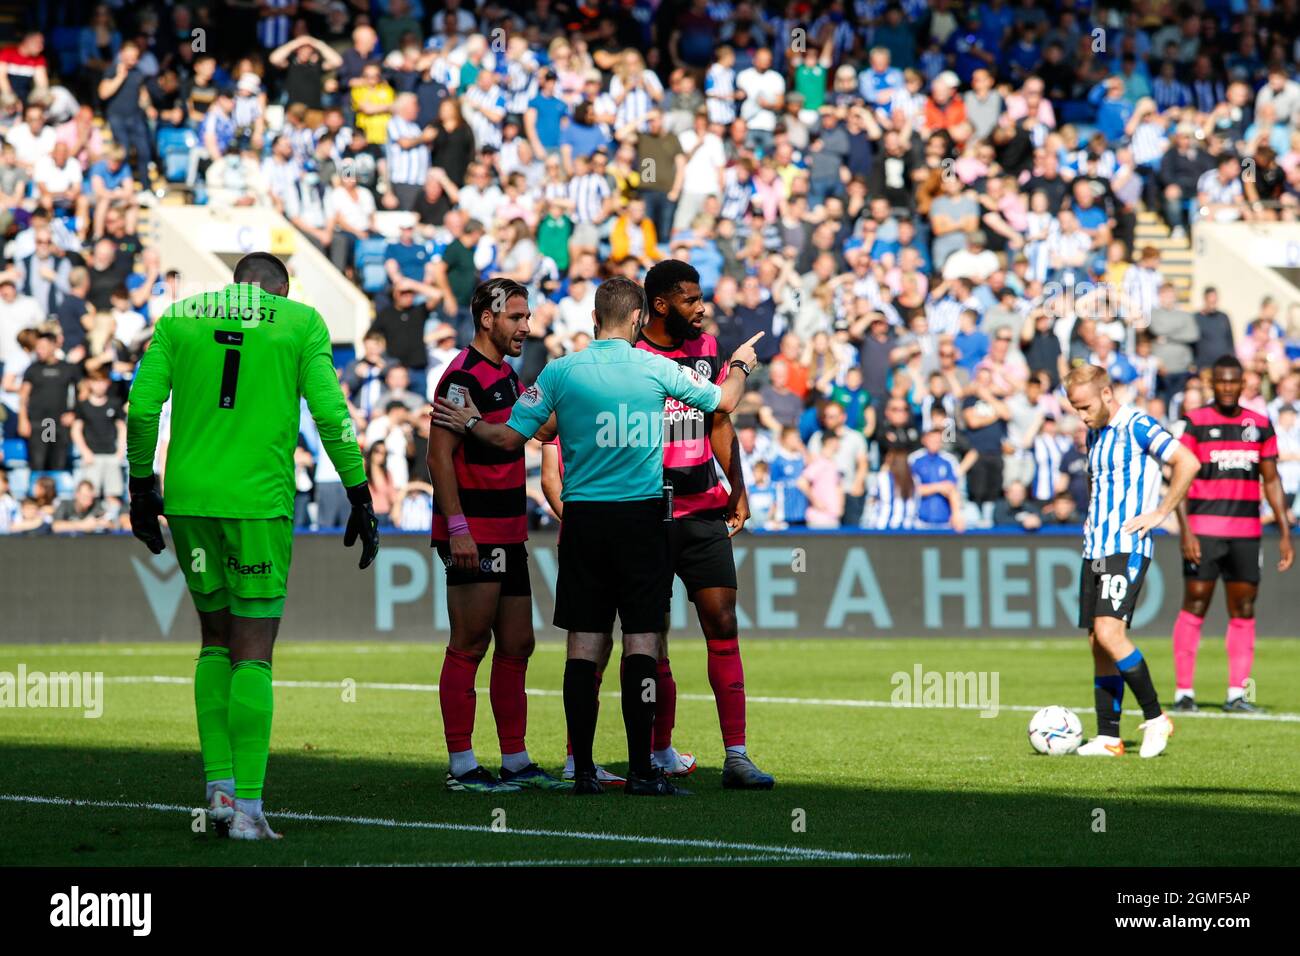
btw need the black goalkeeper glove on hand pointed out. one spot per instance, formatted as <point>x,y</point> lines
<point>362,524</point>
<point>146,507</point>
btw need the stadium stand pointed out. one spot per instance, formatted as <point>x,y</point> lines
<point>932,209</point>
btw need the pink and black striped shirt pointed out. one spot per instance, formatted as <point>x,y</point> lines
<point>1223,501</point>
<point>490,480</point>
<point>688,452</point>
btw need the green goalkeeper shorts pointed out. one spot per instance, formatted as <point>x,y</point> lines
<point>236,563</point>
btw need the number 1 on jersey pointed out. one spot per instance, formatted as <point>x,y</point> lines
<point>229,379</point>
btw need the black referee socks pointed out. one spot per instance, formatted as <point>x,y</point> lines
<point>580,712</point>
<point>640,687</point>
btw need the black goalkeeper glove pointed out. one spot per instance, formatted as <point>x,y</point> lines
<point>146,507</point>
<point>362,524</point>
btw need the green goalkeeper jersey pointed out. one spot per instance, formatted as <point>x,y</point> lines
<point>235,363</point>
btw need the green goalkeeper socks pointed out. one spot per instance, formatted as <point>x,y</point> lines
<point>211,704</point>
<point>251,703</point>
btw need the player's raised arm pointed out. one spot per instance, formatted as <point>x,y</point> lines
<point>319,385</point>
<point>530,413</point>
<point>152,385</point>
<point>740,366</point>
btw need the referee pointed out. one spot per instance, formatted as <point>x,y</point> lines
<point>608,403</point>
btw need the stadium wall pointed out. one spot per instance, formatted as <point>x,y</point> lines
<point>1246,261</point>
<point>109,588</point>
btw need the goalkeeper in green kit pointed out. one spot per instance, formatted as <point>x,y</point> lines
<point>236,363</point>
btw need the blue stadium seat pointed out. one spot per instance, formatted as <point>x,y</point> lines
<point>65,43</point>
<point>369,263</point>
<point>174,147</point>
<point>15,450</point>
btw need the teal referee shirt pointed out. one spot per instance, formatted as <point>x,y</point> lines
<point>609,405</point>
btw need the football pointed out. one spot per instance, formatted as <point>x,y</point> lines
<point>1055,731</point>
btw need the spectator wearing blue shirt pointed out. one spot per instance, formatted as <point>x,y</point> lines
<point>1113,108</point>
<point>110,182</point>
<point>936,484</point>
<point>972,344</point>
<point>581,135</point>
<point>405,261</point>
<point>544,119</point>
<point>880,80</point>
<point>787,466</point>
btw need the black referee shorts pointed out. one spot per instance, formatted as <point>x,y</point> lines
<point>613,561</point>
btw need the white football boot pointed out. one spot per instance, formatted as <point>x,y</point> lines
<point>1158,730</point>
<point>244,827</point>
<point>1102,747</point>
<point>602,775</point>
<point>221,810</point>
<point>677,764</point>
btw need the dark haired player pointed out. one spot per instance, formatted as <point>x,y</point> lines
<point>237,363</point>
<point>706,514</point>
<point>1221,530</point>
<point>479,528</point>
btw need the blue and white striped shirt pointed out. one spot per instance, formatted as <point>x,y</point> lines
<point>736,196</point>
<point>1149,144</point>
<point>637,102</point>
<point>417,512</point>
<point>588,194</point>
<point>893,512</point>
<point>1170,93</point>
<point>486,131</point>
<point>1049,450</point>
<point>273,30</point>
<point>407,167</point>
<point>521,84</point>
<point>1124,473</point>
<point>720,91</point>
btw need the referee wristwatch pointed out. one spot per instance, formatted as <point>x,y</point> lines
<point>473,420</point>
<point>737,363</point>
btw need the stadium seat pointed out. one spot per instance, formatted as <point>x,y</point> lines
<point>15,450</point>
<point>65,43</point>
<point>174,147</point>
<point>369,262</point>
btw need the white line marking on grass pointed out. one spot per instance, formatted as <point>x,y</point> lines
<point>1280,718</point>
<point>792,852</point>
<point>623,861</point>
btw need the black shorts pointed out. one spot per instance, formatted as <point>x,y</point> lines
<point>1109,587</point>
<point>1233,559</point>
<point>504,564</point>
<point>700,551</point>
<point>984,481</point>
<point>613,560</point>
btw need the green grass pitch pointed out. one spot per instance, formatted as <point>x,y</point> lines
<point>858,781</point>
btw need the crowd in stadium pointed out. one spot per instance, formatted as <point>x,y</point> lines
<point>930,208</point>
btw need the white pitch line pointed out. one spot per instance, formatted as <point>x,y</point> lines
<point>1281,718</point>
<point>802,853</point>
<point>618,861</point>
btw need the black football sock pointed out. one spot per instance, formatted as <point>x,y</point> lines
<point>1138,677</point>
<point>580,704</point>
<point>1108,691</point>
<point>640,687</point>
